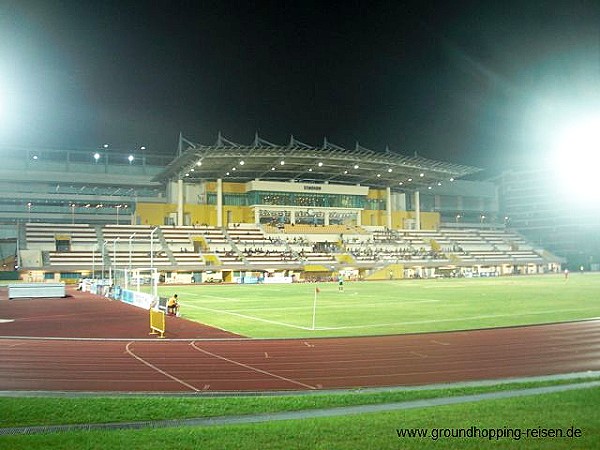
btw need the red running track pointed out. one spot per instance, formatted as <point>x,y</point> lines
<point>232,364</point>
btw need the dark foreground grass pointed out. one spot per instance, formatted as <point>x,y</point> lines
<point>33,411</point>
<point>390,307</point>
<point>578,409</point>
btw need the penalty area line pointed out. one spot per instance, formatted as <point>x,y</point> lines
<point>245,316</point>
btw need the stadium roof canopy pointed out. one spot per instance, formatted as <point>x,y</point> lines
<point>304,163</point>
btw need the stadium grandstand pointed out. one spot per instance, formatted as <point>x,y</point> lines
<point>233,212</point>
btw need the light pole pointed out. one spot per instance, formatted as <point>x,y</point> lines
<point>29,205</point>
<point>130,238</point>
<point>102,256</point>
<point>114,260</point>
<point>72,213</point>
<point>115,251</point>
<point>152,247</point>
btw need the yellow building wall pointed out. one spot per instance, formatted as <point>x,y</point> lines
<point>230,188</point>
<point>377,194</point>
<point>429,220</point>
<point>153,214</point>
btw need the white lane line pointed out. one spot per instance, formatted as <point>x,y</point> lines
<point>274,322</point>
<point>247,366</point>
<point>152,366</point>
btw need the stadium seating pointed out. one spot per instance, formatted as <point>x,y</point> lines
<point>247,246</point>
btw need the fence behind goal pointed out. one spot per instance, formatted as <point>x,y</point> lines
<point>136,286</point>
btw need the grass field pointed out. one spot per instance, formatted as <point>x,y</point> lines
<point>390,307</point>
<point>564,410</point>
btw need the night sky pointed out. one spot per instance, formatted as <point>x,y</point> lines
<point>481,83</point>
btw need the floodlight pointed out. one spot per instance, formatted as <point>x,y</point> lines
<point>576,156</point>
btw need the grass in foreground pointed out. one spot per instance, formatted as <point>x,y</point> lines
<point>576,409</point>
<point>77,410</point>
<point>390,307</point>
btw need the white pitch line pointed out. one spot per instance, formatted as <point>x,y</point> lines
<point>247,366</point>
<point>457,319</point>
<point>327,306</point>
<point>152,366</point>
<point>274,322</point>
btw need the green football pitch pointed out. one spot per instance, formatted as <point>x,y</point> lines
<point>389,307</point>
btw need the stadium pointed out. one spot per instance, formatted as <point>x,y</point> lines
<point>300,269</point>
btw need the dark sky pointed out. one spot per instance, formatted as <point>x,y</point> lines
<point>468,82</point>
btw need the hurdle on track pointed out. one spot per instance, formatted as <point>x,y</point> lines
<point>157,322</point>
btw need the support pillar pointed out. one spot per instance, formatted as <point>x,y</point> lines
<point>257,215</point>
<point>219,202</point>
<point>388,207</point>
<point>417,210</point>
<point>179,202</point>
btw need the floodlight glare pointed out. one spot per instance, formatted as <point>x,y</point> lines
<point>576,156</point>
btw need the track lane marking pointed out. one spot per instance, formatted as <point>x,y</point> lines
<point>247,366</point>
<point>152,366</point>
